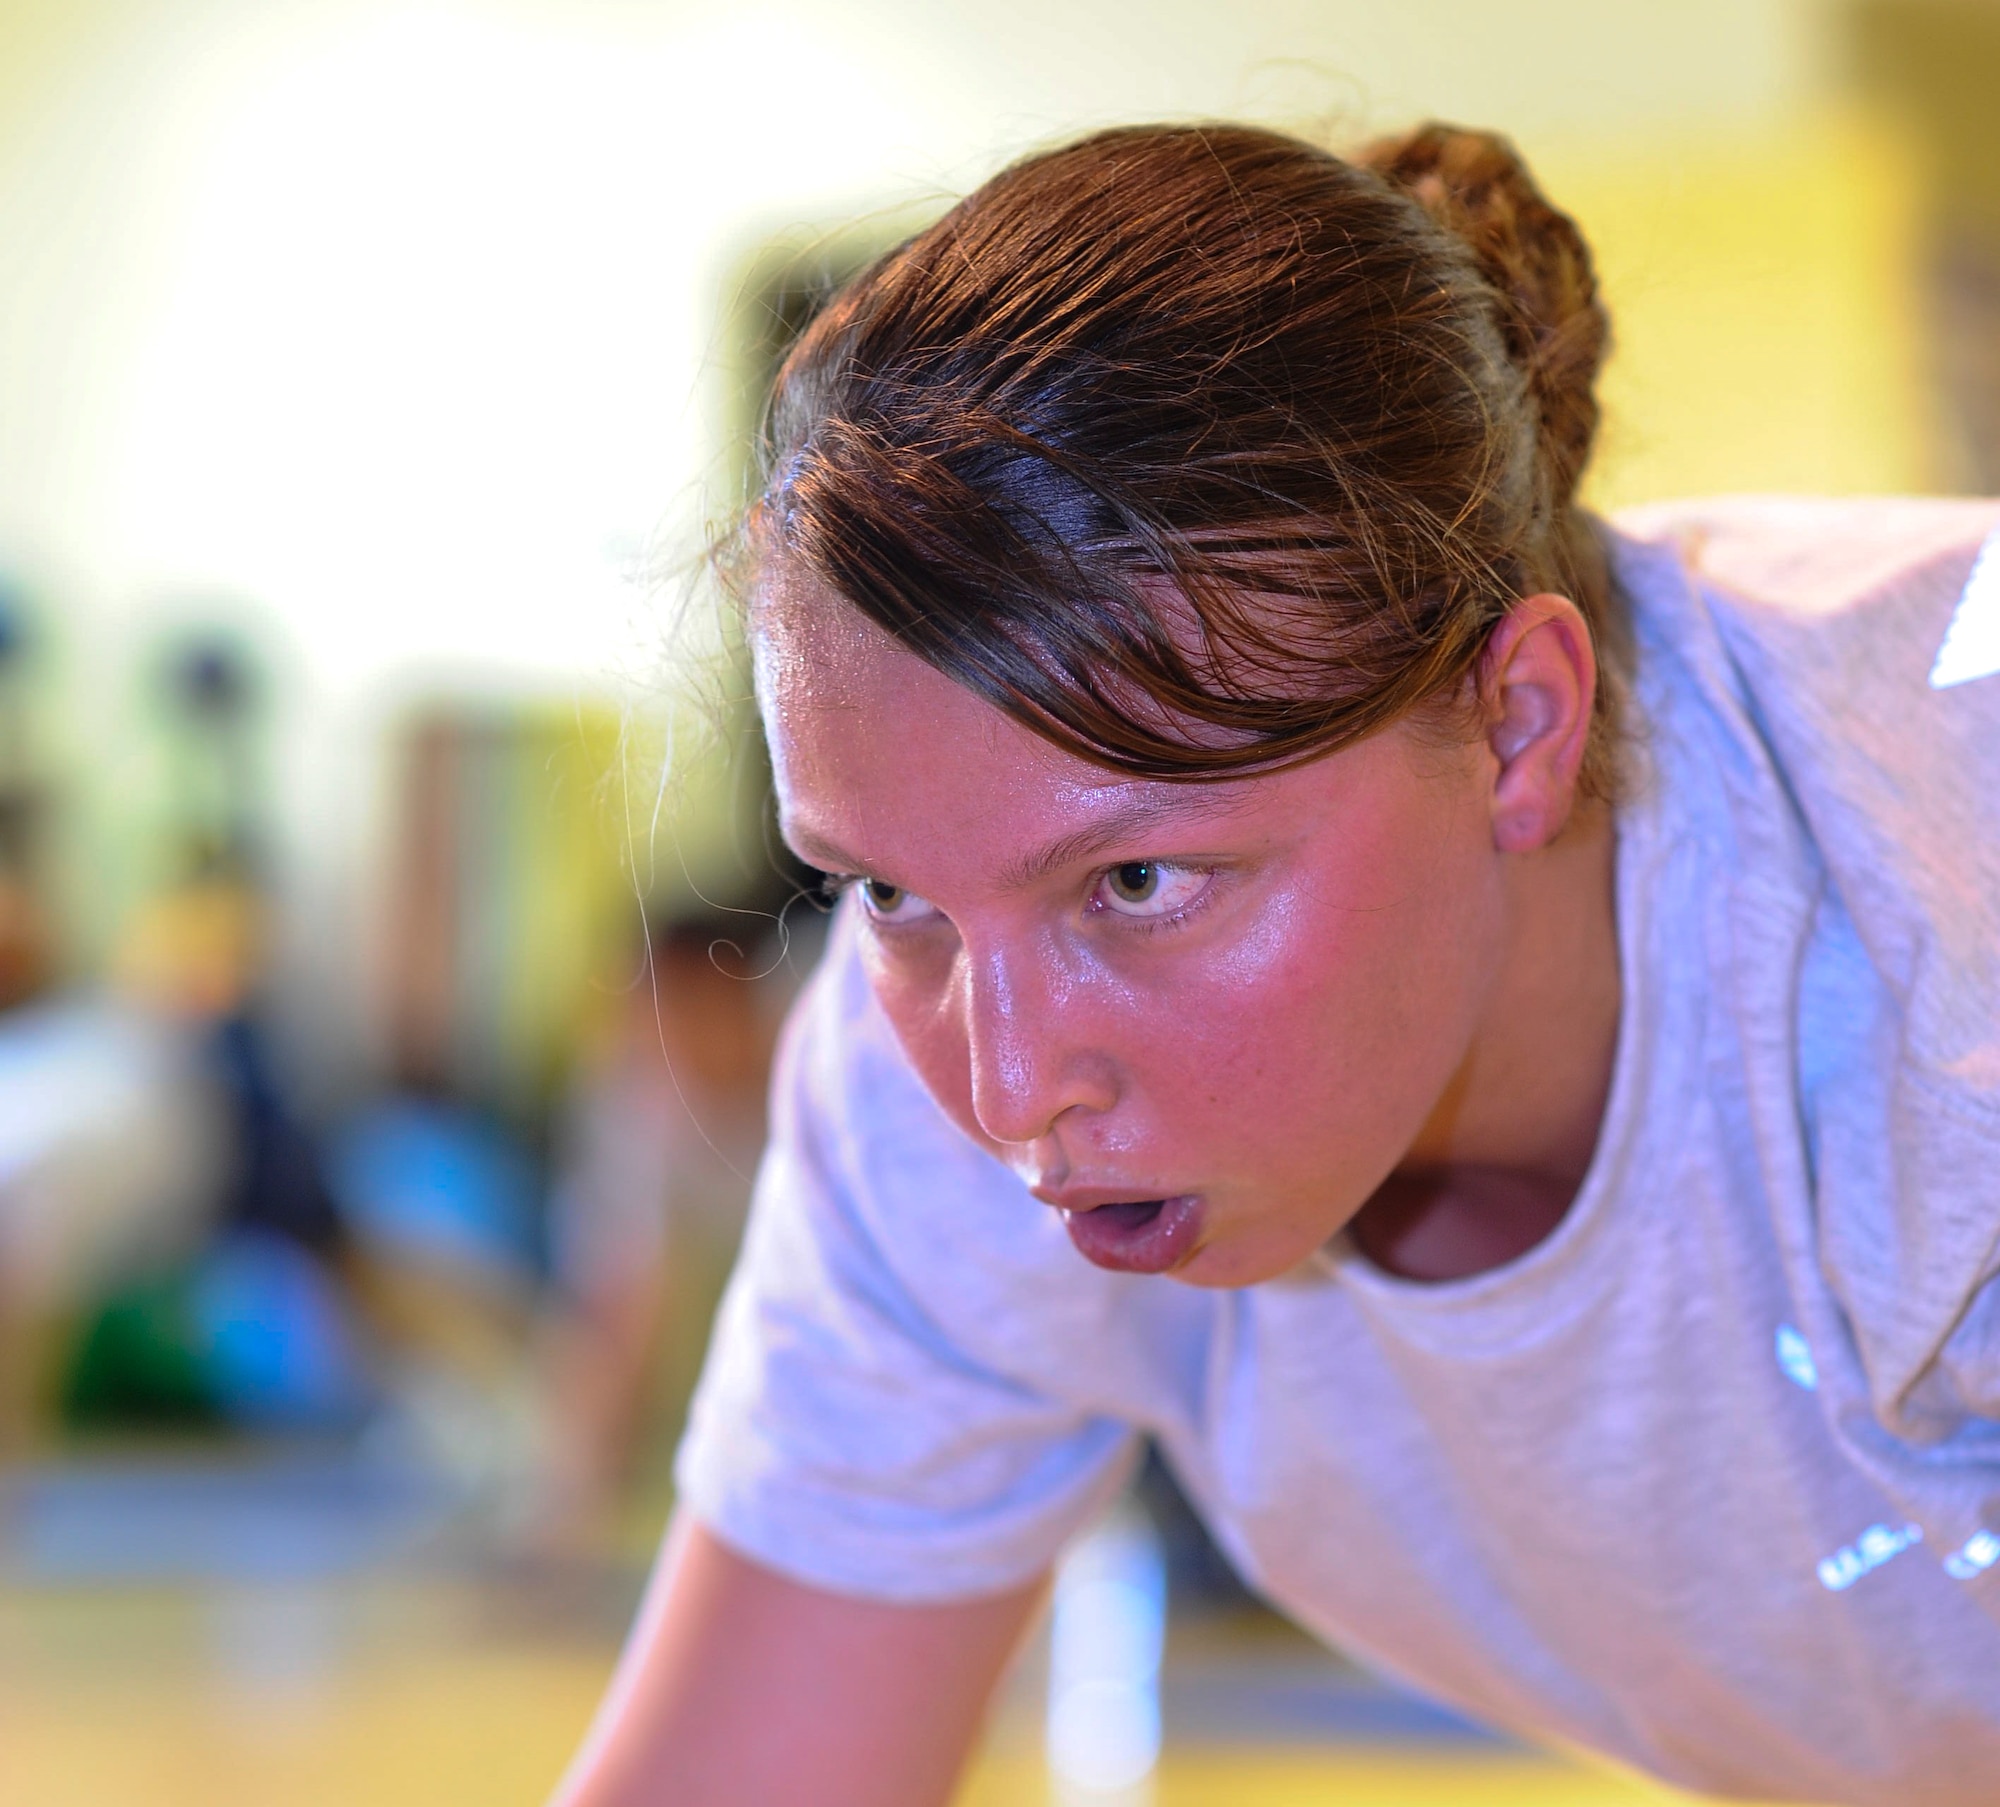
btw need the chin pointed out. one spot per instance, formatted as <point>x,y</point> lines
<point>1244,1259</point>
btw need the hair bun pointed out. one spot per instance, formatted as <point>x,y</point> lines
<point>1475,185</point>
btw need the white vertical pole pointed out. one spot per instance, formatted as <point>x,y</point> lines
<point>1106,1634</point>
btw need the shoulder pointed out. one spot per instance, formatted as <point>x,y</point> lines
<point>1855,644</point>
<point>1812,558</point>
<point>1818,632</point>
<point>1863,633</point>
<point>1858,611</point>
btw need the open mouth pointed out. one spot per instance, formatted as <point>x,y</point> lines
<point>1137,1235</point>
<point>1132,1213</point>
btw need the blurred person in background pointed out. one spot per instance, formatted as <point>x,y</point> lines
<point>236,1308</point>
<point>170,1258</point>
<point>1532,980</point>
<point>659,1141</point>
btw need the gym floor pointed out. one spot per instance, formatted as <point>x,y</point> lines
<point>428,1686</point>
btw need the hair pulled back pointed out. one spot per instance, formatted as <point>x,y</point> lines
<point>1200,450</point>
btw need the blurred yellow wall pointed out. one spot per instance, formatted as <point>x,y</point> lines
<point>1764,287</point>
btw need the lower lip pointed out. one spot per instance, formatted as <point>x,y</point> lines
<point>1149,1237</point>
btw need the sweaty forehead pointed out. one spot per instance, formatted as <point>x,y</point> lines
<point>810,645</point>
<point>832,683</point>
<point>810,642</point>
<point>880,760</point>
<point>843,700</point>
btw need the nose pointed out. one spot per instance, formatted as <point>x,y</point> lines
<point>1027,1031</point>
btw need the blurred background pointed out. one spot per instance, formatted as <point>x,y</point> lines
<point>391,939</point>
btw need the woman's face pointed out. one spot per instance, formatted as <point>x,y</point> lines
<point>1204,1020</point>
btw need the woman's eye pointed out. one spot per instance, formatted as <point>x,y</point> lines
<point>1148,888</point>
<point>891,903</point>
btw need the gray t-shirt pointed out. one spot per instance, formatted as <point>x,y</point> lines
<point>1709,1480</point>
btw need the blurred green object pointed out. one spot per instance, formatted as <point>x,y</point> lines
<point>140,1364</point>
<point>256,1334</point>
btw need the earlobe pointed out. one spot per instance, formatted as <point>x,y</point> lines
<point>1540,673</point>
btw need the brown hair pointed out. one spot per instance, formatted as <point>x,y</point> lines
<point>1335,410</point>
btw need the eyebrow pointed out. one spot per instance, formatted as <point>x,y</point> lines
<point>1101,836</point>
<point>823,856</point>
<point>1187,803</point>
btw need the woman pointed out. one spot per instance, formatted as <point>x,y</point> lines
<point>1534,986</point>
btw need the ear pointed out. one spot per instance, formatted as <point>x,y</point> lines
<point>1539,676</point>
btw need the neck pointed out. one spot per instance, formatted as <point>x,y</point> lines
<point>1502,1157</point>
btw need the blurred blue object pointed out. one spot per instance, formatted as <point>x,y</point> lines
<point>441,1187</point>
<point>276,1337</point>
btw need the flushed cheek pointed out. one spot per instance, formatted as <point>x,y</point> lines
<point>1231,1086</point>
<point>1302,1065</point>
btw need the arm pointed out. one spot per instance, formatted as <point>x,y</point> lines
<point>740,1687</point>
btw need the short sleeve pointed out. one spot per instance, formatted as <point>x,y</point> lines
<point>841,1434</point>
